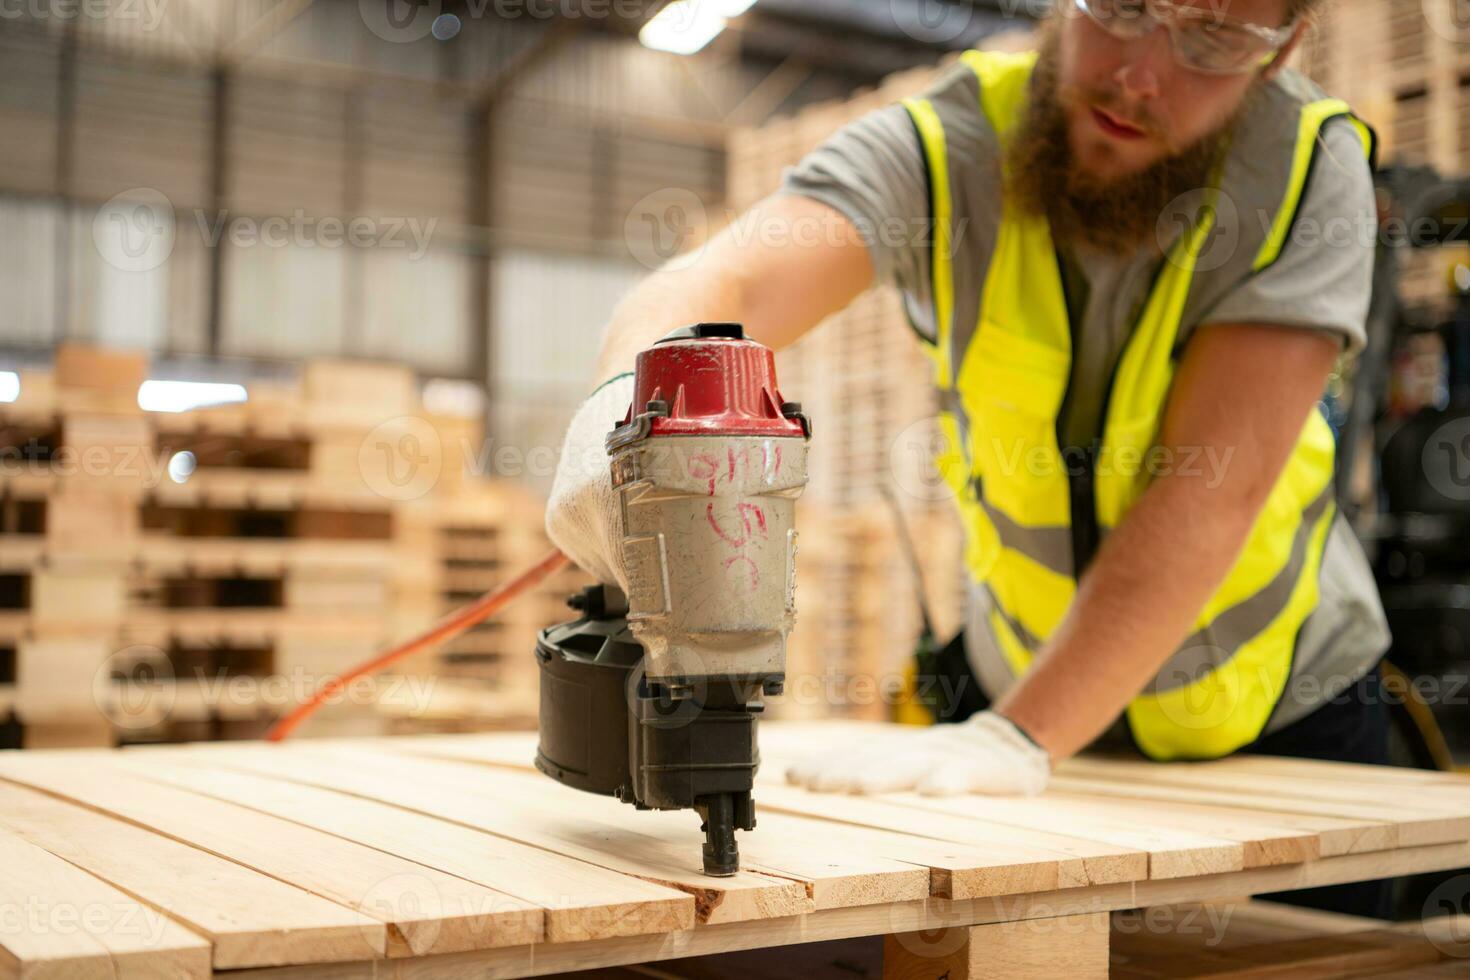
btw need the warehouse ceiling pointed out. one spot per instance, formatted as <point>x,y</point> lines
<point>869,39</point>
<point>861,40</point>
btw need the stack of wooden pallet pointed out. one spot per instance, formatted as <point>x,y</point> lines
<point>1403,65</point>
<point>191,575</point>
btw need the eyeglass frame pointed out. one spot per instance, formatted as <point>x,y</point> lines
<point>1276,37</point>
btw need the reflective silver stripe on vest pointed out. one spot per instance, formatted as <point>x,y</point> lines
<point>1025,637</point>
<point>1050,547</point>
<point>1212,646</point>
<point>949,401</point>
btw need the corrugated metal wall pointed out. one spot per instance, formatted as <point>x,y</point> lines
<point>323,119</point>
<point>29,249</point>
<point>549,314</point>
<point>29,109</point>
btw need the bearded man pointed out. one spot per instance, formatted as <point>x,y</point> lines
<point>1118,252</point>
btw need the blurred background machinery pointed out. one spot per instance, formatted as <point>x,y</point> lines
<point>1413,423</point>
<point>298,297</point>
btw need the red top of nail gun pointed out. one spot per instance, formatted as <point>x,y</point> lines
<point>707,379</point>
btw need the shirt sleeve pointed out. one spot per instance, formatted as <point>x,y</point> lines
<point>872,171</point>
<point>1323,279</point>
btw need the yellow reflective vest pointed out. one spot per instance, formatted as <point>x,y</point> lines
<point>1034,511</point>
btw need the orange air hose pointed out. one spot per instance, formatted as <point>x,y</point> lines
<point>446,629</point>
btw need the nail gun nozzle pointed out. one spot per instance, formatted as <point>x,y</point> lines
<point>721,853</point>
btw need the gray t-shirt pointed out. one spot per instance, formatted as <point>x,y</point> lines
<point>873,171</point>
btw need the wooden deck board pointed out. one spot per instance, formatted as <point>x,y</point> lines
<point>425,910</point>
<point>634,847</point>
<point>1170,853</point>
<point>252,920</point>
<point>1417,823</point>
<point>61,922</point>
<point>581,901</point>
<point>986,865</point>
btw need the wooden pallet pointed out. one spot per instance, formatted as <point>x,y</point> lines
<point>446,856</point>
<point>1240,940</point>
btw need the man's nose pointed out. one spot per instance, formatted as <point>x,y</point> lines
<point>1150,60</point>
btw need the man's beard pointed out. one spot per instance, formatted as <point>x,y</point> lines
<point>1119,215</point>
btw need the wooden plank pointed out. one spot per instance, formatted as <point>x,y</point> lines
<point>1201,939</point>
<point>1446,795</point>
<point>441,789</point>
<point>252,920</point>
<point>1340,955</point>
<point>60,922</point>
<point>1171,853</point>
<point>1417,825</point>
<point>1173,849</point>
<point>1265,842</point>
<point>968,865</point>
<point>831,874</point>
<point>1263,921</point>
<point>1311,768</point>
<point>425,910</point>
<point>955,869</point>
<point>582,901</point>
<point>1335,835</point>
<point>986,857</point>
<point>1457,783</point>
<point>985,866</point>
<point>1262,842</point>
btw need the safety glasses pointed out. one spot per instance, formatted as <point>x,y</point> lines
<point>1201,39</point>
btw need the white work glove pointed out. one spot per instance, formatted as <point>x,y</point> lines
<point>583,517</point>
<point>984,754</point>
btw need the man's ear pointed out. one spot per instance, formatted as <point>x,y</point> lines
<point>1284,55</point>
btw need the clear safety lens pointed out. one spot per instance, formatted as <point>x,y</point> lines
<point>1201,39</point>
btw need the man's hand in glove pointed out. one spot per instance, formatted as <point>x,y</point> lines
<point>582,517</point>
<point>986,754</point>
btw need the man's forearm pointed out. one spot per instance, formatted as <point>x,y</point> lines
<point>784,265</point>
<point>1238,387</point>
<point>667,299</point>
<point>1133,607</point>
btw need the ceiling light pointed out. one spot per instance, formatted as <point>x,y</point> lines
<point>686,26</point>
